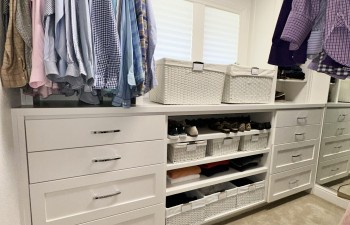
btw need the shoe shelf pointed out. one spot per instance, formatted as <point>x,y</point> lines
<point>210,159</point>
<point>204,181</point>
<point>207,134</point>
<point>237,210</point>
<point>292,80</point>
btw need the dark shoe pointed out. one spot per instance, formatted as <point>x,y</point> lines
<point>181,128</point>
<point>217,126</point>
<point>234,127</point>
<point>267,125</point>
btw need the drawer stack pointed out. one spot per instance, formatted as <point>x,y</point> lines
<point>108,170</point>
<point>335,146</point>
<point>295,151</point>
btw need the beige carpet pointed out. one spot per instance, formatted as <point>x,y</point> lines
<point>336,184</point>
<point>299,210</point>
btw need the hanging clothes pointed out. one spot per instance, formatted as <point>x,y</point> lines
<point>2,34</point>
<point>152,42</point>
<point>13,71</point>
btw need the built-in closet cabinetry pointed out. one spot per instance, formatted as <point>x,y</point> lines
<point>295,151</point>
<point>334,160</point>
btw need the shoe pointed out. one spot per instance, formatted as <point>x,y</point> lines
<point>217,126</point>
<point>267,125</point>
<point>234,127</point>
<point>280,96</point>
<point>173,132</point>
<point>248,127</point>
<point>181,129</point>
<point>192,131</point>
<point>257,126</point>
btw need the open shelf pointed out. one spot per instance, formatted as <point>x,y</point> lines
<point>237,210</point>
<point>204,181</point>
<point>210,159</point>
<point>292,80</point>
<point>207,134</point>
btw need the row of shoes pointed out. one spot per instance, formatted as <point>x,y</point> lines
<point>182,129</point>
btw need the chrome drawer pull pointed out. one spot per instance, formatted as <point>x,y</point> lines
<point>107,196</point>
<point>338,147</point>
<point>295,156</point>
<point>293,182</point>
<point>333,170</point>
<point>300,134</point>
<point>105,132</point>
<point>106,160</point>
<point>341,117</point>
<point>302,118</point>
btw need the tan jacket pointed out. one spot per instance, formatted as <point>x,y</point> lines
<point>13,71</point>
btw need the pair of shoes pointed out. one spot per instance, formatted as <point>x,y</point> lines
<point>261,126</point>
<point>219,126</point>
<point>180,130</point>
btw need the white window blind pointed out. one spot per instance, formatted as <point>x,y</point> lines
<point>174,29</point>
<point>221,32</point>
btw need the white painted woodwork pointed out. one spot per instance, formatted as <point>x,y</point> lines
<point>287,118</point>
<point>287,135</point>
<point>335,129</point>
<point>154,215</point>
<point>335,147</point>
<point>71,201</point>
<point>58,164</point>
<point>71,133</point>
<point>332,170</point>
<point>335,115</point>
<point>291,182</point>
<point>293,156</point>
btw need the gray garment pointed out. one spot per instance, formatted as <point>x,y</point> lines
<point>72,72</point>
<point>86,38</point>
<point>152,42</point>
<point>2,35</point>
<point>24,28</point>
<point>60,36</point>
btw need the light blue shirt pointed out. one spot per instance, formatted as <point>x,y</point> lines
<point>152,42</point>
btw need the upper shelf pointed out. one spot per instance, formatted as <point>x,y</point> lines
<point>292,80</point>
<point>207,134</point>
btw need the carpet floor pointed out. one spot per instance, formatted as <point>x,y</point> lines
<point>334,185</point>
<point>302,209</point>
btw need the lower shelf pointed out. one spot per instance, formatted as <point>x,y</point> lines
<point>204,181</point>
<point>237,210</point>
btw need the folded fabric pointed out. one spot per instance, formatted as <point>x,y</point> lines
<point>179,199</point>
<point>244,167</point>
<point>214,170</point>
<point>216,188</point>
<point>211,165</point>
<point>241,182</point>
<point>184,179</point>
<point>183,172</point>
<point>247,160</point>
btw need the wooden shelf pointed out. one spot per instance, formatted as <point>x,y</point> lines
<point>220,216</point>
<point>210,159</point>
<point>292,80</point>
<point>204,181</point>
<point>207,134</point>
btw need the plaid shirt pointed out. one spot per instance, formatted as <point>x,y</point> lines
<point>332,68</point>
<point>337,34</point>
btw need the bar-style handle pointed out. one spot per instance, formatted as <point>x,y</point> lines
<point>301,117</point>
<point>106,160</point>
<point>333,170</point>
<point>338,147</point>
<point>105,132</point>
<point>296,156</point>
<point>293,182</point>
<point>106,196</point>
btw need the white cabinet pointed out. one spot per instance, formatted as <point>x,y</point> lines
<point>334,115</point>
<point>287,118</point>
<point>335,147</point>
<point>336,129</point>
<point>287,135</point>
<point>332,170</point>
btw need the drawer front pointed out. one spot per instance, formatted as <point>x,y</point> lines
<point>288,118</point>
<point>293,156</point>
<point>336,129</point>
<point>332,170</point>
<point>58,164</point>
<point>53,134</point>
<point>287,135</point>
<point>79,200</point>
<point>335,147</point>
<point>291,182</point>
<point>335,115</point>
<point>154,215</point>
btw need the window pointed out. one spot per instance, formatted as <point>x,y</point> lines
<point>221,31</point>
<point>174,29</point>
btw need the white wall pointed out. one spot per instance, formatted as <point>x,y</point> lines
<point>9,210</point>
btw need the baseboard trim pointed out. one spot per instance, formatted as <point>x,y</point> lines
<point>329,196</point>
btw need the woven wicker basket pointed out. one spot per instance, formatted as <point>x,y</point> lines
<point>254,142</point>
<point>241,86</point>
<point>220,202</point>
<point>192,213</point>
<point>182,152</point>
<point>178,84</point>
<point>222,146</point>
<point>250,194</point>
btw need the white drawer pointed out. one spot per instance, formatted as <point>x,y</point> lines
<point>73,201</point>
<point>335,147</point>
<point>293,156</point>
<point>334,115</point>
<point>287,135</point>
<point>291,182</point>
<point>154,215</point>
<point>288,118</point>
<point>332,170</point>
<point>336,129</point>
<point>52,134</point>
<point>58,164</point>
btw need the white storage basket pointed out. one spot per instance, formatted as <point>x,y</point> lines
<point>192,213</point>
<point>250,194</point>
<point>182,152</point>
<point>344,91</point>
<point>222,146</point>
<point>220,202</point>
<point>247,85</point>
<point>179,84</point>
<point>254,142</point>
